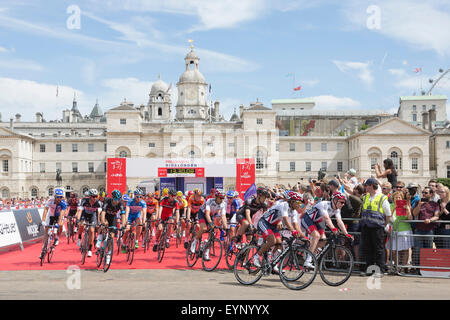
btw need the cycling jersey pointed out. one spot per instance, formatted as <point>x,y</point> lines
<point>54,210</point>
<point>111,209</point>
<point>253,206</point>
<point>314,218</point>
<point>152,205</point>
<point>215,210</point>
<point>181,205</point>
<point>195,205</point>
<point>167,208</point>
<point>73,204</point>
<point>279,210</point>
<point>135,209</point>
<point>90,210</point>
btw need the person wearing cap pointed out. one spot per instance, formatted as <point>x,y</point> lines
<point>375,215</point>
<point>353,181</point>
<point>412,194</point>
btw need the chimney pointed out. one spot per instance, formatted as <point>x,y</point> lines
<point>18,116</point>
<point>11,123</point>
<point>216,110</point>
<point>431,119</point>
<point>241,109</point>
<point>38,117</point>
<point>425,120</point>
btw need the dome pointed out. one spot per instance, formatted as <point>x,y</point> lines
<point>159,86</point>
<point>192,76</point>
<point>234,118</point>
<point>192,55</point>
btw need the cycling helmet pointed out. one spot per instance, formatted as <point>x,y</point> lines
<point>198,191</point>
<point>165,191</point>
<point>179,194</point>
<point>262,191</point>
<point>291,195</point>
<point>59,192</point>
<point>125,197</point>
<point>92,192</point>
<point>102,194</point>
<point>338,195</point>
<point>219,193</point>
<point>86,193</point>
<point>138,192</point>
<point>230,194</point>
<point>116,195</point>
<point>190,193</point>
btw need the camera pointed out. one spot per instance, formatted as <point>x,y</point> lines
<point>424,200</point>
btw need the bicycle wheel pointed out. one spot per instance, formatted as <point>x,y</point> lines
<point>84,247</point>
<point>192,258</point>
<point>162,246</point>
<point>179,234</point>
<point>231,251</point>
<point>50,253</point>
<point>244,269</point>
<point>213,250</point>
<point>145,240</point>
<point>336,265</point>
<point>294,275</point>
<point>99,254</point>
<point>109,251</point>
<point>44,251</point>
<point>119,240</point>
<point>69,230</point>
<point>131,247</point>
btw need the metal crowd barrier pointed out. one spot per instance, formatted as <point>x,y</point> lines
<point>429,255</point>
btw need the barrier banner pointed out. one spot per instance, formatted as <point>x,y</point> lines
<point>9,232</point>
<point>245,175</point>
<point>28,221</point>
<point>431,257</point>
<point>116,176</point>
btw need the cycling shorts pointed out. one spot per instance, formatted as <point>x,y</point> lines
<point>309,225</point>
<point>267,229</point>
<point>89,218</point>
<point>132,217</point>
<point>72,212</point>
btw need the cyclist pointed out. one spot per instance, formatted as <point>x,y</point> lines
<point>73,206</point>
<point>272,221</point>
<point>88,211</point>
<point>113,210</point>
<point>182,207</point>
<point>135,211</point>
<point>213,212</point>
<point>55,208</point>
<point>211,194</point>
<point>152,209</point>
<point>232,207</point>
<point>249,209</point>
<point>195,202</point>
<point>168,208</point>
<point>314,220</point>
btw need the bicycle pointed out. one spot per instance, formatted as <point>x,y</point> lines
<point>71,229</point>
<point>48,246</point>
<point>119,239</point>
<point>292,272</point>
<point>179,233</point>
<point>108,238</point>
<point>147,238</point>
<point>233,248</point>
<point>162,241</point>
<point>85,242</point>
<point>211,247</point>
<point>335,261</point>
<point>131,243</point>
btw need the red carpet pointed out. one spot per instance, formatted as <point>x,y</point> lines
<point>69,254</point>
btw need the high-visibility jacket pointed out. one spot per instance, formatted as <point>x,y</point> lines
<point>372,214</point>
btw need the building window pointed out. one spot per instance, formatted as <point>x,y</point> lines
<point>448,171</point>
<point>104,166</point>
<point>90,147</point>
<point>414,107</point>
<point>58,148</point>
<point>34,192</point>
<point>292,147</point>
<point>209,144</point>
<point>192,153</point>
<point>42,147</point>
<point>151,145</point>
<point>447,144</point>
<point>123,121</point>
<point>58,167</point>
<point>308,166</point>
<point>259,121</point>
<point>277,147</point>
<point>324,147</point>
<point>74,166</point>
<point>74,147</point>
<point>159,111</point>
<point>397,161</point>
<point>259,160</point>
<point>324,166</point>
<point>339,166</point>
<point>424,108</point>
<point>42,134</point>
<point>173,144</point>
<point>340,147</point>
<point>123,154</point>
<point>91,167</point>
<point>414,163</point>
<point>50,192</point>
<point>292,166</point>
<point>373,161</point>
<point>414,117</point>
<point>5,165</point>
<point>231,145</point>
<point>277,166</point>
<point>105,147</point>
<point>42,167</point>
<point>308,147</point>
<point>433,107</point>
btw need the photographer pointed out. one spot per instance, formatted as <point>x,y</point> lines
<point>428,211</point>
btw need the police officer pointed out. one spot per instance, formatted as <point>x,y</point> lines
<point>375,215</point>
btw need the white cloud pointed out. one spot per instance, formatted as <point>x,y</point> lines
<point>20,64</point>
<point>423,24</point>
<point>329,102</point>
<point>3,49</point>
<point>364,73</point>
<point>309,83</point>
<point>397,72</point>
<point>404,62</point>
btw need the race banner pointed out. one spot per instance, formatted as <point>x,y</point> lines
<point>28,221</point>
<point>116,177</point>
<point>430,257</point>
<point>245,175</point>
<point>9,232</point>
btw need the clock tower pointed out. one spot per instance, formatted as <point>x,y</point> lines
<point>192,91</point>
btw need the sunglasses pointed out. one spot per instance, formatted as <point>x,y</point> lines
<point>398,187</point>
<point>59,197</point>
<point>425,192</point>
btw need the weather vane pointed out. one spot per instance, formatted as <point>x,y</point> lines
<point>191,42</point>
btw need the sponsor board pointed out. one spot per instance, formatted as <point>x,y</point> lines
<point>9,231</point>
<point>28,221</point>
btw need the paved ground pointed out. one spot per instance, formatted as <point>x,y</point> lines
<point>198,284</point>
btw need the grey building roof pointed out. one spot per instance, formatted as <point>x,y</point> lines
<point>96,111</point>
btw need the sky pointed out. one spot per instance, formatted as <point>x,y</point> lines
<point>346,54</point>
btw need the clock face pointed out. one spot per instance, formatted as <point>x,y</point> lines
<point>191,94</point>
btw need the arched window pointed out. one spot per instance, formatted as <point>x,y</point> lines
<point>259,160</point>
<point>159,111</point>
<point>5,193</point>
<point>160,98</point>
<point>50,192</point>
<point>123,154</point>
<point>396,159</point>
<point>34,192</point>
<point>192,154</point>
<point>84,190</point>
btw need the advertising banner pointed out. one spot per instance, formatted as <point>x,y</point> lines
<point>431,257</point>
<point>9,232</point>
<point>245,175</point>
<point>116,177</point>
<point>218,183</point>
<point>28,221</point>
<point>170,183</point>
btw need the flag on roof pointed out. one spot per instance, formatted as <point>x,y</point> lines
<point>418,69</point>
<point>170,86</point>
<point>298,88</point>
